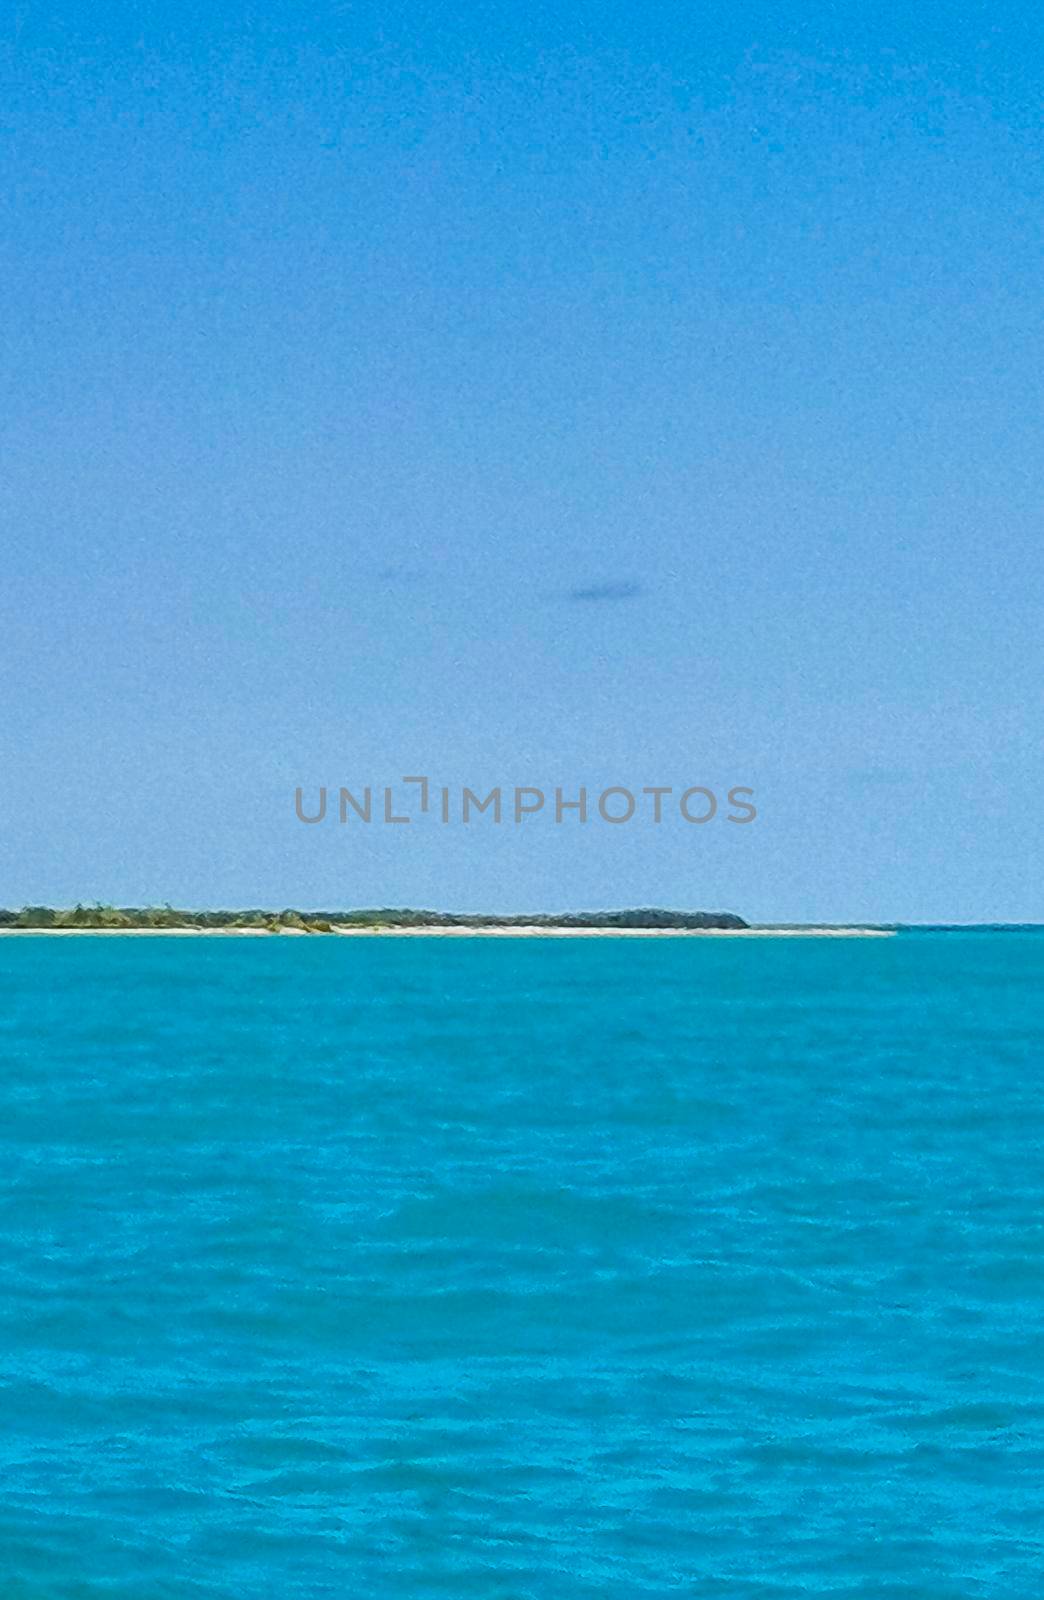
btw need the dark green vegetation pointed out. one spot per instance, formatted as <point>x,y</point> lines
<point>117,917</point>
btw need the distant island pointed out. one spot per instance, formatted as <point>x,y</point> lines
<point>105,918</point>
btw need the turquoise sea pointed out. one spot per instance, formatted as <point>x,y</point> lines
<point>522,1269</point>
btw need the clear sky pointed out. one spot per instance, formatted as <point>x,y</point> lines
<point>546,394</point>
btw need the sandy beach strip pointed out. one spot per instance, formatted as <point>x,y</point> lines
<point>524,932</point>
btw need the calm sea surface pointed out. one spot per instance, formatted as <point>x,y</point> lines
<point>522,1269</point>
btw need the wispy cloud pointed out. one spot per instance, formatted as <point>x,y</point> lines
<point>605,591</point>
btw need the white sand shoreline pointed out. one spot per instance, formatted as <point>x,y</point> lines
<point>524,932</point>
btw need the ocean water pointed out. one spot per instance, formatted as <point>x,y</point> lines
<point>522,1270</point>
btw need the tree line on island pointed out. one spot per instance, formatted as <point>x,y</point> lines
<point>114,918</point>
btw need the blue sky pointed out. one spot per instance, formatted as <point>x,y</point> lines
<point>523,395</point>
